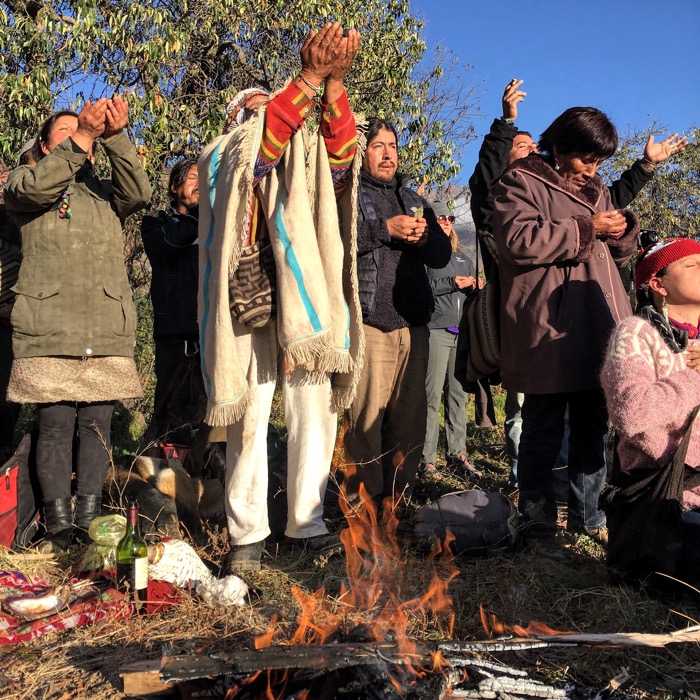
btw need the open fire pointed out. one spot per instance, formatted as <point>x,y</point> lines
<point>373,604</point>
<point>364,644</point>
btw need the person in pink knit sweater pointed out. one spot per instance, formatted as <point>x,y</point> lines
<point>651,373</point>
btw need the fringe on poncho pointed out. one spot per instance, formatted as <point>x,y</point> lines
<point>319,322</point>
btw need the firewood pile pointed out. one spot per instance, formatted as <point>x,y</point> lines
<point>369,671</point>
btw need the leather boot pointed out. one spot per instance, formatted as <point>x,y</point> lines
<point>59,521</point>
<point>87,507</point>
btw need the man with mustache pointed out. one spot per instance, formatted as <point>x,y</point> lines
<point>397,236</point>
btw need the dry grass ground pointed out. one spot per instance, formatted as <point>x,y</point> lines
<point>517,587</point>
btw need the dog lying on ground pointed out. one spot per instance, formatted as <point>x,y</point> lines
<point>169,499</point>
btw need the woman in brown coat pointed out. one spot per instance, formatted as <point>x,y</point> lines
<point>560,242</point>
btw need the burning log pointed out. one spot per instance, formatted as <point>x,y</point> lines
<point>453,655</point>
<point>332,657</point>
<point>329,657</point>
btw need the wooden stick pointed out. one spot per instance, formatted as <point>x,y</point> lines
<point>626,639</point>
<point>334,656</point>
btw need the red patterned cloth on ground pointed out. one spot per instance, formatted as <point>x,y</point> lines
<point>88,609</point>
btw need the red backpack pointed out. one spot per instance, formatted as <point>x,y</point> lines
<point>19,513</point>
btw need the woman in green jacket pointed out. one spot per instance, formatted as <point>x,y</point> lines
<point>73,321</point>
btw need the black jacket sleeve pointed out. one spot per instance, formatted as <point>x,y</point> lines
<point>437,251</point>
<point>493,159</point>
<point>630,184</point>
<point>164,236</point>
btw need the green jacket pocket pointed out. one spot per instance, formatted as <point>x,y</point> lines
<point>119,317</point>
<point>37,308</point>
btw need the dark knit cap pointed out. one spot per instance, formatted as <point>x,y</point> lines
<point>662,254</point>
<point>441,209</point>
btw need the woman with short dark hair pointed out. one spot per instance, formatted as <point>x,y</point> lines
<point>582,130</point>
<point>560,242</point>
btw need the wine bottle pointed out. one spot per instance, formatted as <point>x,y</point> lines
<point>132,558</point>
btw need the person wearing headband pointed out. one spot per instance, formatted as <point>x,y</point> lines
<point>651,380</point>
<point>271,295</point>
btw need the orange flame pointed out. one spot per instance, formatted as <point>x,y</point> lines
<point>493,626</point>
<point>375,588</point>
<point>265,640</point>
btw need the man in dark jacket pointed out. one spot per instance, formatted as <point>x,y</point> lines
<point>396,239</point>
<point>170,241</point>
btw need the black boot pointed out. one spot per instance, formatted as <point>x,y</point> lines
<point>87,507</point>
<point>58,526</point>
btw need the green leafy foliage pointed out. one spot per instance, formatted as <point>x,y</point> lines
<point>179,60</point>
<point>670,203</point>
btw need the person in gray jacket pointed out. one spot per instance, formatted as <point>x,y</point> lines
<point>450,285</point>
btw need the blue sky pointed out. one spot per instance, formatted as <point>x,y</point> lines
<point>637,60</point>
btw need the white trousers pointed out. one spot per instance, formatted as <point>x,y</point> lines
<point>311,428</point>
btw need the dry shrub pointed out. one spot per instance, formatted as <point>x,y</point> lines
<point>517,587</point>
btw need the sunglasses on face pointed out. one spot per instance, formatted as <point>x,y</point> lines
<point>442,219</point>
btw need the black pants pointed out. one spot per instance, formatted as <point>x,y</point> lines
<point>54,449</point>
<point>177,375</point>
<point>540,443</point>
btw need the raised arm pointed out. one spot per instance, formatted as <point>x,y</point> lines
<point>493,156</point>
<point>631,182</point>
<point>337,121</point>
<point>131,190</point>
<point>286,113</point>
